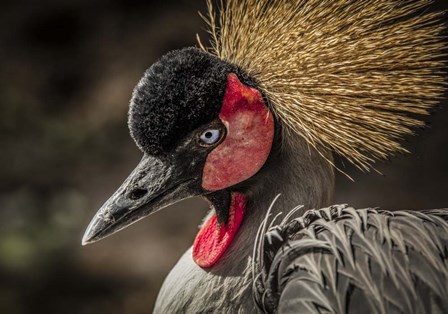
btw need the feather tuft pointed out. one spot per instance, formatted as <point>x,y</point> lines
<point>347,75</point>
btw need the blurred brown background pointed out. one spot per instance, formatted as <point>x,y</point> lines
<point>66,76</point>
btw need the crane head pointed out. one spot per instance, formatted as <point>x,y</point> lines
<point>203,129</point>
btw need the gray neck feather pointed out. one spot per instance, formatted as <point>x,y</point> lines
<point>302,177</point>
<point>299,174</point>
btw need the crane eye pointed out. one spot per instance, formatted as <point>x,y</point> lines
<point>210,136</point>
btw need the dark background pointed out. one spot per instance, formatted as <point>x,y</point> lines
<point>66,76</point>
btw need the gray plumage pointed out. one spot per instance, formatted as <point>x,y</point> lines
<point>342,260</point>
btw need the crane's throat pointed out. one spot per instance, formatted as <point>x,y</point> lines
<point>214,237</point>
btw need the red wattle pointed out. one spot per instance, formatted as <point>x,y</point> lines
<point>214,238</point>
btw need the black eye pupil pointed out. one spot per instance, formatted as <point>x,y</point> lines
<point>208,134</point>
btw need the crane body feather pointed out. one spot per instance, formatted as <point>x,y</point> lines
<point>342,260</point>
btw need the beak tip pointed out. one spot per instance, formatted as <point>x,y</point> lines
<point>84,242</point>
<point>87,239</point>
<point>92,234</point>
<point>98,229</point>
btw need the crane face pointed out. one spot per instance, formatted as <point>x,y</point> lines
<point>203,129</point>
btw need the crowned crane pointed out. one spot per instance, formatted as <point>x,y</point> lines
<point>284,85</point>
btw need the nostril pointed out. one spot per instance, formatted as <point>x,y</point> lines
<point>137,194</point>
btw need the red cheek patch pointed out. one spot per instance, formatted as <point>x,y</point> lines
<point>250,132</point>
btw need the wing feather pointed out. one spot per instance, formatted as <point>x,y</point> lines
<point>342,260</point>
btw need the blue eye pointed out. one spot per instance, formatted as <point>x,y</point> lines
<point>210,136</point>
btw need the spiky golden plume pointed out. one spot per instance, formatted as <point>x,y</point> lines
<point>347,75</point>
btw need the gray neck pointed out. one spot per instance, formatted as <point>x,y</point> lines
<point>302,177</point>
<point>299,174</point>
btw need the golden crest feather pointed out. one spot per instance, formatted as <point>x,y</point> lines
<point>347,75</point>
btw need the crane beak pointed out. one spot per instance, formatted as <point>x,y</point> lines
<point>153,185</point>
